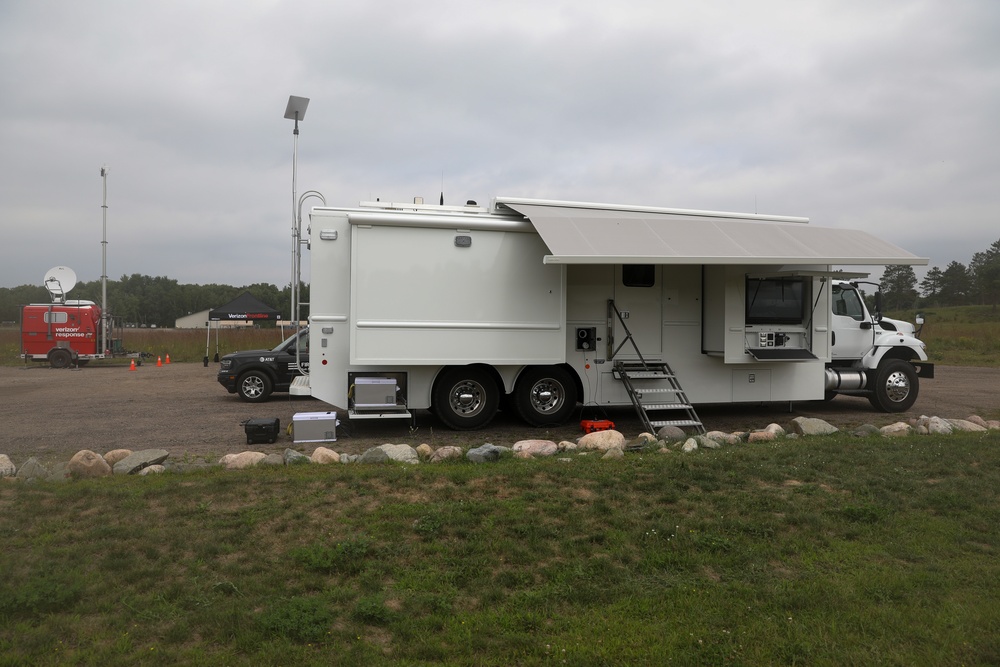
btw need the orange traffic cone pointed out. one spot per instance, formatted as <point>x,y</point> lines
<point>168,359</point>
<point>159,361</point>
<point>132,365</point>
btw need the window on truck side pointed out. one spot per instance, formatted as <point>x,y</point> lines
<point>847,302</point>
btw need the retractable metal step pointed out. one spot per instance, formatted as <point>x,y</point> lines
<point>647,383</point>
<point>652,380</point>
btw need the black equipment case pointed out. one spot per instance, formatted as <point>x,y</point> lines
<point>262,430</point>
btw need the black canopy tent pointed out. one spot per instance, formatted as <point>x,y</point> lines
<point>244,308</point>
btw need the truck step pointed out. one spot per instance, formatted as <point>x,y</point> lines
<point>676,422</point>
<point>665,406</point>
<point>353,414</point>
<point>300,386</point>
<point>649,375</point>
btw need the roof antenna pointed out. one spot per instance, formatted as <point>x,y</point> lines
<point>442,188</point>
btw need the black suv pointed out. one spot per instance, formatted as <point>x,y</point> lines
<point>254,374</point>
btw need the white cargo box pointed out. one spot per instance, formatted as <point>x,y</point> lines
<point>374,393</point>
<point>314,427</point>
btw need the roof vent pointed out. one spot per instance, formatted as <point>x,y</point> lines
<point>418,200</point>
<point>471,202</point>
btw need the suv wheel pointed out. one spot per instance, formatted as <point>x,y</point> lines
<point>254,386</point>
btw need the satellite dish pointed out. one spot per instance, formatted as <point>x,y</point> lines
<point>59,280</point>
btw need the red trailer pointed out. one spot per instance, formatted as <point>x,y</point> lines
<point>67,332</point>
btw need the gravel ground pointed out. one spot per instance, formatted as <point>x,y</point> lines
<point>51,414</point>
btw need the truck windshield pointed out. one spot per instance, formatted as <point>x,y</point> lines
<point>847,302</point>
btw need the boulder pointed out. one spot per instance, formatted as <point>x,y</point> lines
<point>424,450</point>
<point>690,445</point>
<point>704,442</point>
<point>866,430</point>
<point>292,457</point>
<point>116,455</point>
<point>762,436</point>
<point>136,461</point>
<point>152,470</point>
<point>976,419</point>
<point>401,453</point>
<point>7,468</point>
<point>86,464</point>
<point>374,455</point>
<point>935,425</point>
<point>567,446</point>
<point>967,426</point>
<point>533,448</point>
<point>325,455</point>
<point>614,453</point>
<point>671,434</point>
<point>602,440</point>
<point>896,430</point>
<point>445,453</point>
<point>273,459</point>
<point>812,426</point>
<point>486,453</point>
<point>32,469</point>
<point>241,460</point>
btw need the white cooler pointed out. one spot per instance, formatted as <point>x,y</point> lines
<point>314,427</point>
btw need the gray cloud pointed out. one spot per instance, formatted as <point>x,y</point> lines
<point>874,115</point>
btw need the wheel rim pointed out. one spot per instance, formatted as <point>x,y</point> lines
<point>253,387</point>
<point>897,387</point>
<point>467,398</point>
<point>546,396</point>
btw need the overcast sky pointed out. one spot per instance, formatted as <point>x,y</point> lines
<point>873,114</point>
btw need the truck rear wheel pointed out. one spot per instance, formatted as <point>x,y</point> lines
<point>60,358</point>
<point>254,386</point>
<point>895,386</point>
<point>545,395</point>
<point>465,398</point>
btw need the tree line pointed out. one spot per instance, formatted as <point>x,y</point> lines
<point>146,300</point>
<point>957,285</point>
<point>139,300</point>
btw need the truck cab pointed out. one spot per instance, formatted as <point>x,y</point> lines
<point>873,355</point>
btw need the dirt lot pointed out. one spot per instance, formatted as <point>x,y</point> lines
<point>51,414</point>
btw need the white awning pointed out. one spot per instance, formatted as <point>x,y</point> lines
<point>599,234</point>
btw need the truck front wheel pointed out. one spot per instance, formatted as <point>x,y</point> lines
<point>465,398</point>
<point>254,386</point>
<point>895,386</point>
<point>545,396</point>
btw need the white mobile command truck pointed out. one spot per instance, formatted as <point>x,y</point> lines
<point>540,305</point>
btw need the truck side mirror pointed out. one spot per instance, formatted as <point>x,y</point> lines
<point>878,305</point>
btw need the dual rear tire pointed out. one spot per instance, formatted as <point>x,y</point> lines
<point>468,397</point>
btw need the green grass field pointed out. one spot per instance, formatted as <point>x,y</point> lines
<point>826,551</point>
<point>831,551</point>
<point>960,336</point>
